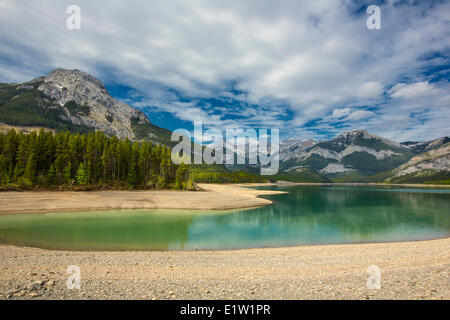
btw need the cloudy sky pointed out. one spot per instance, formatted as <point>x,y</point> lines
<point>310,68</point>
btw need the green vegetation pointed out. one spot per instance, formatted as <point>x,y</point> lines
<point>355,176</point>
<point>368,164</point>
<point>77,109</point>
<point>88,161</point>
<point>27,106</point>
<point>442,182</point>
<point>424,176</point>
<point>219,174</point>
<point>303,174</point>
<point>148,131</point>
<point>376,144</point>
<point>430,177</point>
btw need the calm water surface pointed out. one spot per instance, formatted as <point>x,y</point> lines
<point>306,215</point>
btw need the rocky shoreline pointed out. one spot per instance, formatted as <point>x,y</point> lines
<point>410,270</point>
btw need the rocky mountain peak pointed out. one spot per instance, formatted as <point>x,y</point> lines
<point>87,102</point>
<point>425,146</point>
<point>358,137</point>
<point>296,143</point>
<point>59,76</point>
<point>74,85</point>
<point>354,135</point>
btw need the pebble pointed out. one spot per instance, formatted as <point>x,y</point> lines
<point>50,283</point>
<point>35,286</point>
<point>19,294</point>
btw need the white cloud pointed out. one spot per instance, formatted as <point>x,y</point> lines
<point>340,113</point>
<point>369,90</point>
<point>413,90</point>
<point>359,115</point>
<point>308,58</point>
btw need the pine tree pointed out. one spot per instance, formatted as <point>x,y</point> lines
<point>48,159</point>
<point>21,157</point>
<point>59,168</point>
<point>133,177</point>
<point>51,176</point>
<point>180,176</point>
<point>3,171</point>
<point>68,173</point>
<point>82,176</point>
<point>30,169</point>
<point>190,184</point>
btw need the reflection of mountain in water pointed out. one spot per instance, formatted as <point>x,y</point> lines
<point>306,215</point>
<point>355,211</point>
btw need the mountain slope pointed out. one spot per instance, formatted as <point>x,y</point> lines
<point>433,165</point>
<point>299,174</point>
<point>355,152</point>
<point>74,100</point>
<point>420,147</point>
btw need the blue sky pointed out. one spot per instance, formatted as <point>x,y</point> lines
<point>309,68</point>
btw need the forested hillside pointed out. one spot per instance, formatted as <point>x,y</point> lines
<point>86,161</point>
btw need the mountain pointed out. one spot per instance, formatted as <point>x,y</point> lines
<point>75,101</point>
<point>292,146</point>
<point>299,174</point>
<point>431,166</point>
<point>420,147</point>
<point>354,156</point>
<point>356,152</point>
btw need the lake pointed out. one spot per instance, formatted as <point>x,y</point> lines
<point>307,215</point>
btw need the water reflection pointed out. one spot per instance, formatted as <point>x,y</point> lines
<point>306,215</point>
<point>309,215</point>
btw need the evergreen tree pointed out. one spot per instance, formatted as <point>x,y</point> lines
<point>4,179</point>
<point>82,176</point>
<point>133,177</point>
<point>48,159</point>
<point>51,176</point>
<point>68,173</point>
<point>59,168</point>
<point>30,169</point>
<point>181,176</point>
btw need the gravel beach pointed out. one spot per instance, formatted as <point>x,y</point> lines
<point>409,270</point>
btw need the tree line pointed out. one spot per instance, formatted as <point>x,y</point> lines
<point>86,161</point>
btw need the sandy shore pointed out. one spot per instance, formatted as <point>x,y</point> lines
<point>215,197</point>
<point>410,270</point>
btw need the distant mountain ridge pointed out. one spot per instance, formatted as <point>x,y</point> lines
<point>76,101</point>
<point>353,151</point>
<point>433,165</point>
<point>427,145</point>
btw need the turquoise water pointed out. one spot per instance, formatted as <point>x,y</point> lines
<point>306,215</point>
